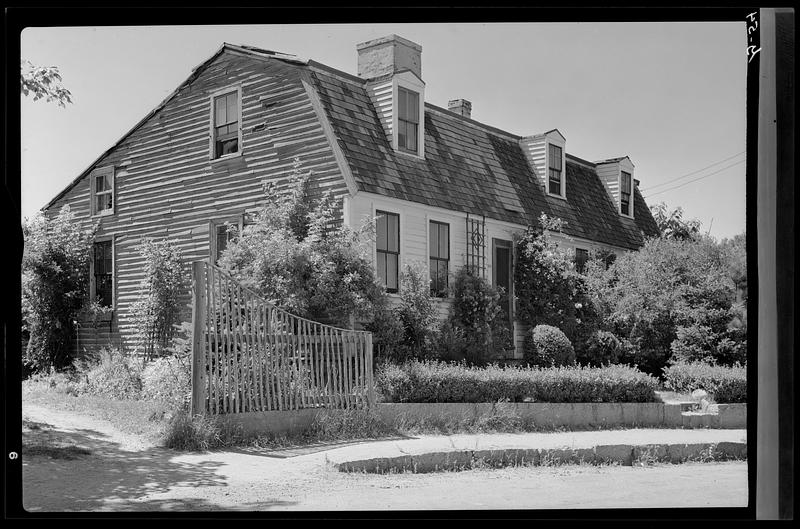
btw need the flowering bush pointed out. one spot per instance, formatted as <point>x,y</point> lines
<point>547,346</point>
<point>55,280</point>
<point>723,383</point>
<point>434,381</point>
<point>296,254</point>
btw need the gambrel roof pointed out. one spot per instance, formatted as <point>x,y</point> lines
<point>468,166</point>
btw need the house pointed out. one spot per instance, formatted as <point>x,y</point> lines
<point>446,190</point>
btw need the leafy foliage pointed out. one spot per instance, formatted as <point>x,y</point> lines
<point>156,310</point>
<point>296,255</point>
<point>602,348</point>
<point>475,329</point>
<point>671,298</point>
<point>671,224</point>
<point>433,381</point>
<point>43,82</point>
<point>723,383</point>
<point>113,375</point>
<point>547,346</point>
<point>55,280</point>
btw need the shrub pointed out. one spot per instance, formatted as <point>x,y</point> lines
<point>476,329</point>
<point>547,346</point>
<point>433,381</point>
<point>602,348</point>
<point>168,379</point>
<point>113,375</point>
<point>55,275</point>
<point>416,311</point>
<point>723,383</point>
<point>297,254</point>
<point>672,299</point>
<point>156,310</point>
<point>387,332</point>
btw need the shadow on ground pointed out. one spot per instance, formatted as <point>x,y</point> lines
<point>108,478</point>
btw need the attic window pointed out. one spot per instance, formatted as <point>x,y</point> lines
<point>407,120</point>
<point>554,171</point>
<point>625,194</point>
<point>102,182</point>
<point>226,123</point>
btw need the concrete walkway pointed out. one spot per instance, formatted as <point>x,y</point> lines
<point>426,453</point>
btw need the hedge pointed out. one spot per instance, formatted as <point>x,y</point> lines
<point>723,384</point>
<point>433,381</point>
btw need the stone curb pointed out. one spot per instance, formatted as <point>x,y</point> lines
<point>622,454</point>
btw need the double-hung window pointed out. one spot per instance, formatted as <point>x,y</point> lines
<point>407,120</point>
<point>439,257</point>
<point>388,249</point>
<point>226,122</point>
<point>554,172</point>
<point>625,193</point>
<point>103,271</point>
<point>102,183</point>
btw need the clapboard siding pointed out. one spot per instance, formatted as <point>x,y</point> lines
<point>381,95</point>
<point>166,185</point>
<point>609,175</point>
<point>414,225</point>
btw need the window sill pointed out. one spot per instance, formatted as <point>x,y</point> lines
<point>410,155</point>
<point>101,215</point>
<point>232,156</point>
<point>556,196</point>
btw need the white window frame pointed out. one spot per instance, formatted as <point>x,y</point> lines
<point>409,82</point>
<point>213,224</point>
<point>212,119</point>
<point>92,282</point>
<point>561,145</point>
<point>619,186</point>
<point>441,220</point>
<point>108,169</point>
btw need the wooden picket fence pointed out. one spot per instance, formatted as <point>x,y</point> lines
<point>250,356</point>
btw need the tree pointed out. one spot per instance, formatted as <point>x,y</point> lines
<point>55,280</point>
<point>297,255</point>
<point>43,82</point>
<point>673,299</point>
<point>671,224</point>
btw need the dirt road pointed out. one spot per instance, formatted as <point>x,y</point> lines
<point>125,473</point>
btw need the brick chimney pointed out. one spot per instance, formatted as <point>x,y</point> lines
<point>460,106</point>
<point>387,56</point>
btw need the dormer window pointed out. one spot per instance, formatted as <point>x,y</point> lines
<point>226,118</point>
<point>626,191</point>
<point>407,120</point>
<point>554,176</point>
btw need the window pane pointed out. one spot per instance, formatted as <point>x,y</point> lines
<point>444,241</point>
<point>401,134</point>
<point>402,103</point>
<point>434,239</point>
<point>381,232</point>
<point>411,143</point>
<point>413,107</point>
<point>382,268</point>
<point>434,275</point>
<point>220,112</point>
<point>393,234</point>
<point>232,113</point>
<point>391,271</point>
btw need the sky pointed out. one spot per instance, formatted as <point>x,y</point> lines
<point>669,95</point>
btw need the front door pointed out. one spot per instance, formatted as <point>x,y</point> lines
<point>502,275</point>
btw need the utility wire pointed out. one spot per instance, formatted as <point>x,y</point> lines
<point>693,172</point>
<point>694,179</point>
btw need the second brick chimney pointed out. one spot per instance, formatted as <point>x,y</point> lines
<point>460,106</point>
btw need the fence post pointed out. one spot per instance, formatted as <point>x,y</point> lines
<point>370,380</point>
<point>198,336</point>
